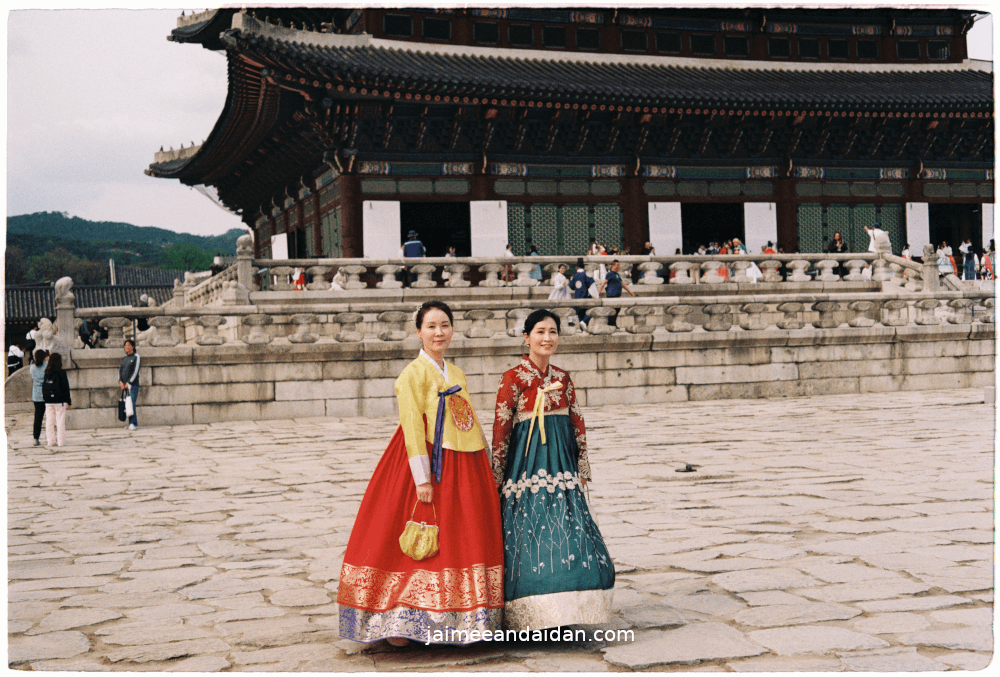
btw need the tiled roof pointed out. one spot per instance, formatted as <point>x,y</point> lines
<point>134,276</point>
<point>31,303</point>
<point>643,82</point>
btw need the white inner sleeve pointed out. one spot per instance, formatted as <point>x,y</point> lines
<point>420,468</point>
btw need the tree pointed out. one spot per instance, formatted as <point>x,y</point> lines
<point>184,256</point>
<point>16,265</point>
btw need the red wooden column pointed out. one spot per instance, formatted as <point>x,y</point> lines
<point>351,230</point>
<point>787,216</point>
<point>635,214</point>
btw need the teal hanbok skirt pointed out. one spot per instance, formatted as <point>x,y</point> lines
<point>557,570</point>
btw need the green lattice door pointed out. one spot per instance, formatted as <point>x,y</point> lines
<point>330,232</point>
<point>558,230</point>
<point>817,223</point>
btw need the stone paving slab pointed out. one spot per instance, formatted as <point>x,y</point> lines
<point>811,538</point>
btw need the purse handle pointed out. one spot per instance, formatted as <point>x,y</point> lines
<point>414,511</point>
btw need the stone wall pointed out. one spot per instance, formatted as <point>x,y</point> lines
<point>203,384</point>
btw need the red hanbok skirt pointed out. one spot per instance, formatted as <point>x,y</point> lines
<point>384,593</point>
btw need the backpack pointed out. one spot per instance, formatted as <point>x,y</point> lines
<point>49,390</point>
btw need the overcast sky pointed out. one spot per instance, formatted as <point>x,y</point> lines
<point>91,94</point>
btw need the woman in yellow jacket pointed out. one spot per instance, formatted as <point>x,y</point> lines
<point>435,470</point>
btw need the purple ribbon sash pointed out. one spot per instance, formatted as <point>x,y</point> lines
<point>436,454</point>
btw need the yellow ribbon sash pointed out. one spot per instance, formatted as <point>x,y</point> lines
<point>539,413</point>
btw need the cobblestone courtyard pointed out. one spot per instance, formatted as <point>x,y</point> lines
<point>827,533</point>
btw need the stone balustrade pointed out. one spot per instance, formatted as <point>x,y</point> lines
<point>209,292</point>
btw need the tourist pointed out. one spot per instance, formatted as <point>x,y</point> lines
<point>581,284</point>
<point>55,392</point>
<point>88,334</point>
<point>970,262</point>
<point>556,576</point>
<point>906,252</point>
<point>412,248</point>
<point>128,379</point>
<point>298,279</point>
<point>943,256</point>
<point>508,253</point>
<point>15,358</point>
<point>30,344</point>
<point>560,285</point>
<point>614,283</point>
<point>769,249</point>
<point>739,247</point>
<point>701,251</point>
<point>450,254</point>
<point>337,283</point>
<point>37,371</point>
<point>437,458</point>
<point>951,257</point>
<point>838,245</point>
<point>536,270</point>
<point>724,268</point>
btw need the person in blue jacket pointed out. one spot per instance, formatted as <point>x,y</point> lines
<point>580,284</point>
<point>414,248</point>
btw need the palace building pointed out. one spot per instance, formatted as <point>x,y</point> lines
<point>345,129</point>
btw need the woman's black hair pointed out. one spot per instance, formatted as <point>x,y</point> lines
<point>438,305</point>
<point>55,363</point>
<point>40,356</point>
<point>128,341</point>
<point>537,316</point>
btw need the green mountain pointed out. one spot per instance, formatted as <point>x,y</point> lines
<point>60,225</point>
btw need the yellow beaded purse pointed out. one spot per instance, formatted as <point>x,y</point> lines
<point>419,540</point>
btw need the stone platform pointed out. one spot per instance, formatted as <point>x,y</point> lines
<point>840,532</point>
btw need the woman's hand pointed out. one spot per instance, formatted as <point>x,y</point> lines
<point>425,492</point>
<point>583,482</point>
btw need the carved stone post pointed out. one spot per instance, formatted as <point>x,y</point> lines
<point>798,268</point>
<point>565,328</point>
<point>962,311</point>
<point>524,278</point>
<point>854,268</point>
<point>897,274</point>
<point>258,334</point>
<point>926,312</point>
<point>650,273</point>
<point>640,315</point>
<point>303,325</point>
<point>915,279</point>
<point>394,325</point>
<point>116,329</point>
<point>518,314</point>
<point>598,323</point>
<point>895,313</point>
<point>930,271</point>
<point>682,272</point>
<point>988,317</point>
<point>456,276</point>
<point>244,261</point>
<point>740,269</point>
<point>827,314</point>
<point>424,272</point>
<point>234,294</point>
<point>720,317</point>
<point>353,274</point>
<point>179,300</point>
<point>793,315</point>
<point>491,272</point>
<point>348,327</point>
<point>210,330</point>
<point>711,272</point>
<point>319,282</point>
<point>388,273</point>
<point>771,270</point>
<point>163,336</point>
<point>283,275</point>
<point>827,271</point>
<point>753,316</point>
<point>880,270</point>
<point>863,313</point>
<point>676,318</point>
<point>479,328</point>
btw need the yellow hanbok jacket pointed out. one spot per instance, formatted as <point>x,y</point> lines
<point>417,391</point>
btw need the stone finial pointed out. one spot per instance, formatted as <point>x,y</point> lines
<point>740,269</point>
<point>720,317</point>
<point>210,330</point>
<point>712,274</point>
<point>895,313</point>
<point>348,327</point>
<point>598,323</point>
<point>963,311</point>
<point>234,294</point>
<point>456,276</point>
<point>855,268</point>
<point>303,324</point>
<point>394,324</point>
<point>752,318</point>
<point>524,278</point>
<point>564,313</point>
<point>258,334</point>
<point>388,273</point>
<point>640,315</point>
<point>926,312</point>
<point>880,270</point>
<point>319,282</point>
<point>64,294</point>
<point>650,272</point>
<point>518,315</point>
<point>828,270</point>
<point>115,327</point>
<point>989,316</point>
<point>354,273</point>
<point>283,276</point>
<point>424,272</point>
<point>863,313</point>
<point>929,253</point>
<point>792,311</point>
<point>771,270</point>
<point>244,246</point>
<point>675,318</point>
<point>682,272</point>
<point>163,336</point>
<point>827,314</point>
<point>798,269</point>
<point>479,328</point>
<point>491,275</point>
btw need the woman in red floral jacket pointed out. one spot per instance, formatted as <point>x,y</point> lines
<point>557,570</point>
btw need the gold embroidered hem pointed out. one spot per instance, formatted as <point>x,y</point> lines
<point>573,607</point>
<point>371,589</point>
<point>434,627</point>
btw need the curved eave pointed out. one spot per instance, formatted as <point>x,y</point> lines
<point>205,33</point>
